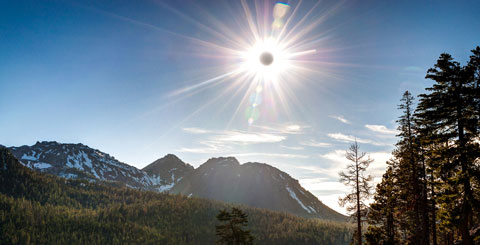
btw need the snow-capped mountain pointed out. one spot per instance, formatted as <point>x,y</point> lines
<point>224,179</point>
<point>81,161</point>
<point>254,184</point>
<point>168,171</point>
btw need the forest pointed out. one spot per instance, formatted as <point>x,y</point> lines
<point>430,191</point>
<point>37,208</point>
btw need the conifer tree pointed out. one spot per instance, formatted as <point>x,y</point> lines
<point>355,178</point>
<point>232,231</point>
<point>448,120</point>
<point>382,216</point>
<point>411,175</point>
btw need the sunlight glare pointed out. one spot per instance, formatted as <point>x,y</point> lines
<point>266,60</point>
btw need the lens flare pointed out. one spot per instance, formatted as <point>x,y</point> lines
<point>270,53</point>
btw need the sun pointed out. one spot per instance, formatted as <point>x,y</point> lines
<point>263,60</point>
<point>266,60</point>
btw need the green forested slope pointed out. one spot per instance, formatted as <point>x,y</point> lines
<point>37,208</point>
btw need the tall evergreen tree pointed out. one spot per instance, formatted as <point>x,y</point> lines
<point>401,198</point>
<point>381,218</point>
<point>232,230</point>
<point>411,174</point>
<point>355,178</point>
<point>448,120</point>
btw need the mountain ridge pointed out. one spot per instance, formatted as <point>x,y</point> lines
<point>42,208</point>
<point>221,178</point>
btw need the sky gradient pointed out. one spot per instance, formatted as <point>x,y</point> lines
<point>123,77</point>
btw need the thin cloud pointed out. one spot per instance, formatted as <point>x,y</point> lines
<point>341,119</point>
<point>207,147</point>
<point>248,138</point>
<point>314,143</point>
<point>196,130</point>
<point>349,138</point>
<point>381,129</point>
<point>414,69</point>
<point>223,142</point>
<point>297,148</point>
<point>200,150</point>
<point>293,128</point>
<point>283,129</point>
<point>270,155</point>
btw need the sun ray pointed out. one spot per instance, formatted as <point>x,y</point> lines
<point>250,20</point>
<point>256,56</point>
<point>204,83</point>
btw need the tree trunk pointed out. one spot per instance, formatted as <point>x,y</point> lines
<point>434,217</point>
<point>466,210</point>
<point>425,211</point>
<point>359,218</point>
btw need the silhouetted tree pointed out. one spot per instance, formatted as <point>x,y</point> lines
<point>232,231</point>
<point>449,122</point>
<point>411,175</point>
<point>355,178</point>
<point>381,218</point>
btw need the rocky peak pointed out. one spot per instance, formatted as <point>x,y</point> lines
<point>167,171</point>
<point>221,161</point>
<point>167,163</point>
<point>254,184</point>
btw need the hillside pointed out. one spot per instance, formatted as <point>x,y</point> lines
<point>224,179</point>
<point>41,208</point>
<point>254,184</point>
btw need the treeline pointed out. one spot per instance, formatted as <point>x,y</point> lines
<point>36,208</point>
<point>430,191</point>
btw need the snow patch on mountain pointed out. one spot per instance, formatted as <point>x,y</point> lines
<point>42,165</point>
<point>294,196</point>
<point>29,157</point>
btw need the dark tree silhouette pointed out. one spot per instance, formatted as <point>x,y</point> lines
<point>381,218</point>
<point>232,230</point>
<point>434,175</point>
<point>449,120</point>
<point>356,179</point>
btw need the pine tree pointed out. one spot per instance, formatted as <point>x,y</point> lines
<point>448,120</point>
<point>356,179</point>
<point>381,218</point>
<point>232,230</point>
<point>411,175</point>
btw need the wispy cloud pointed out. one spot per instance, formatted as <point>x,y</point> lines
<point>381,129</point>
<point>270,155</point>
<point>339,161</point>
<point>283,129</point>
<point>292,147</point>
<point>241,137</point>
<point>223,142</point>
<point>314,143</point>
<point>341,119</point>
<point>207,147</point>
<point>248,138</point>
<point>414,69</point>
<point>349,138</point>
<point>293,128</point>
<point>196,130</point>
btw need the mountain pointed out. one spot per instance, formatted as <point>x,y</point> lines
<point>254,184</point>
<point>39,208</point>
<point>223,179</point>
<point>168,171</point>
<point>82,162</point>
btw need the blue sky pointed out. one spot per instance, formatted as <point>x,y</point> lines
<point>124,77</point>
